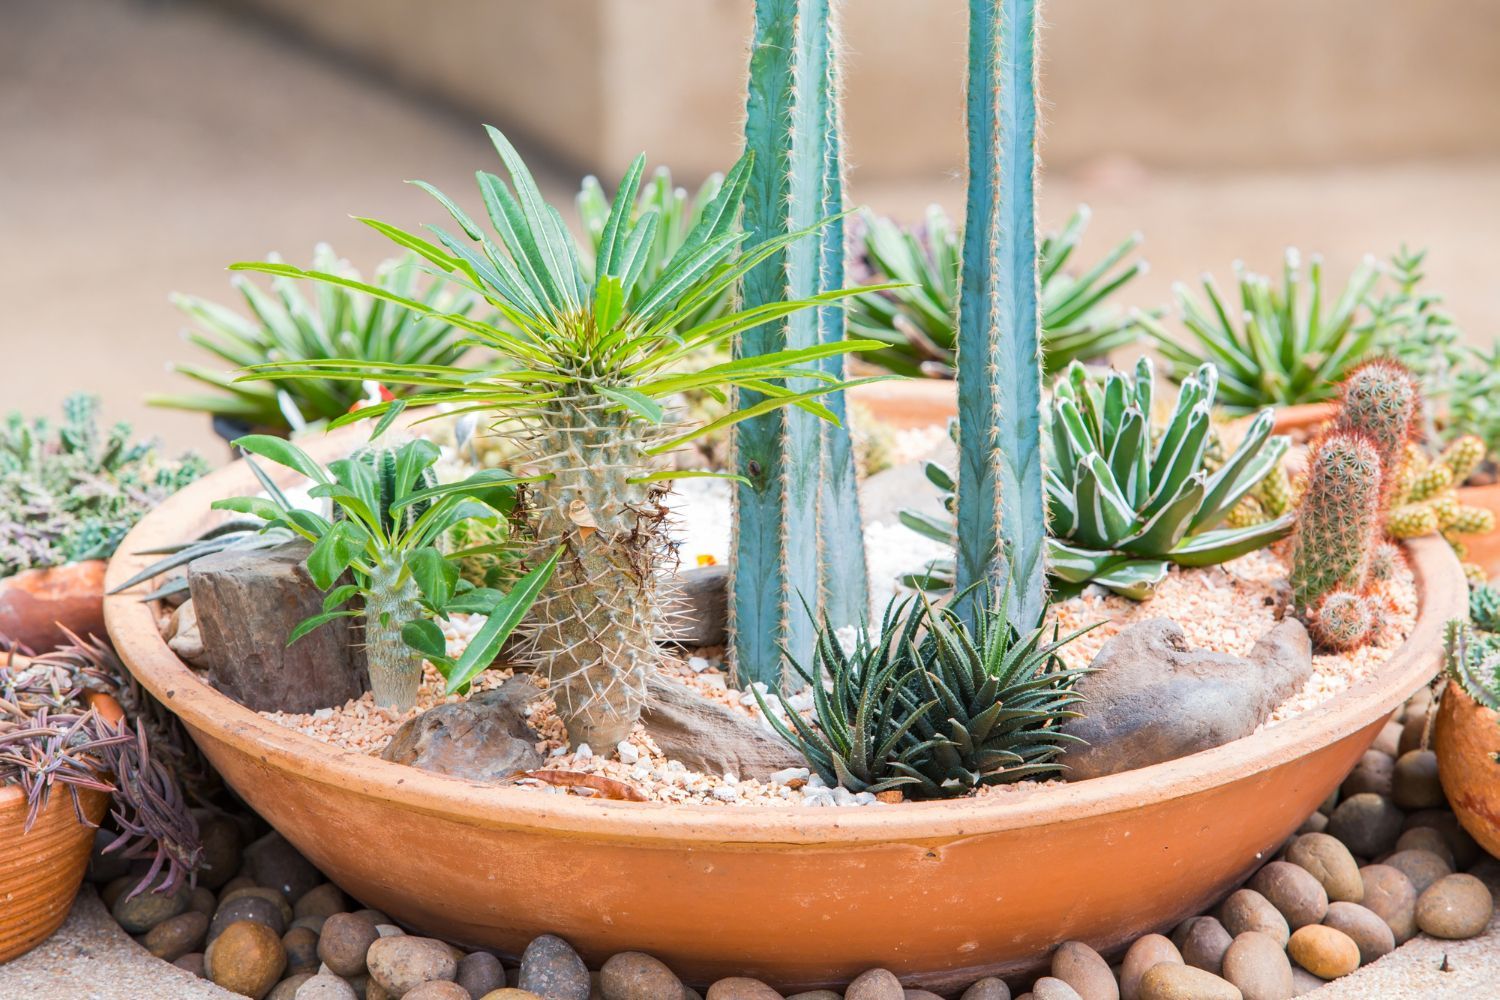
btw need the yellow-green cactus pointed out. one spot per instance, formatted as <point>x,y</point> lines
<point>1412,520</point>
<point>1429,482</point>
<point>1462,457</point>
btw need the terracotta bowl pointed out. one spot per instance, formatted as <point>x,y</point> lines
<point>1466,738</point>
<point>40,871</point>
<point>1483,549</point>
<point>941,893</point>
<point>34,603</point>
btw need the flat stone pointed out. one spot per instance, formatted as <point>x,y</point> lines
<point>248,602</point>
<point>708,737</point>
<point>483,738</point>
<point>1152,698</point>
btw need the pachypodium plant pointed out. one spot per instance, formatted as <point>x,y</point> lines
<point>797,534</point>
<point>1126,500</point>
<point>69,492</point>
<point>933,707</point>
<point>1274,345</point>
<point>389,517</point>
<point>999,506</point>
<point>580,386</point>
<point>918,321</point>
<point>284,326</point>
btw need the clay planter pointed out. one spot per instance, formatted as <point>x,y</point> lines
<point>941,893</point>
<point>1301,422</point>
<point>1483,550</point>
<point>34,603</point>
<point>40,871</point>
<point>1466,739</point>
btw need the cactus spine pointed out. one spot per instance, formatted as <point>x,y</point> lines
<point>1338,524</point>
<point>1381,400</point>
<point>1001,531</point>
<point>791,128</point>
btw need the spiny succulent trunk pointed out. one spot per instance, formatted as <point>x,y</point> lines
<point>599,617</point>
<point>395,670</point>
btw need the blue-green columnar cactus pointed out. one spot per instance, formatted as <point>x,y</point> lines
<point>1002,527</point>
<point>786,549</point>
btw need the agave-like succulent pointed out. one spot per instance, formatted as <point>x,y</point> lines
<point>918,320</point>
<point>284,326</point>
<point>1276,345</point>
<point>1126,501</point>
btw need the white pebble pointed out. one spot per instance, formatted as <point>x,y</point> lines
<point>842,796</point>
<point>628,753</point>
<point>816,781</point>
<point>790,774</point>
<point>726,793</point>
<point>584,752</point>
<point>697,664</point>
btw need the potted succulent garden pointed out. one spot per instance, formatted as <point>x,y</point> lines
<point>68,493</point>
<point>935,743</point>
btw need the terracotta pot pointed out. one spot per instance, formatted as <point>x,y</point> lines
<point>1466,738</point>
<point>1302,421</point>
<point>1483,550</point>
<point>941,893</point>
<point>909,403</point>
<point>34,603</point>
<point>40,871</point>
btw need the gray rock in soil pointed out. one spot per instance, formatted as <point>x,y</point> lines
<point>698,612</point>
<point>1153,699</point>
<point>552,970</point>
<point>247,603</point>
<point>485,738</point>
<point>705,736</point>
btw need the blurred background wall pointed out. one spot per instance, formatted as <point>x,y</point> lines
<point>144,145</point>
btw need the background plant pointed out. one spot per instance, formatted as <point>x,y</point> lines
<point>1127,500</point>
<point>934,707</point>
<point>579,383</point>
<point>385,532</point>
<point>798,533</point>
<point>1426,499</point>
<point>69,492</point>
<point>918,321</point>
<point>1275,344</point>
<point>284,326</point>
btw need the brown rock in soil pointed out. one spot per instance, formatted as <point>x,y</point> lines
<point>1372,774</point>
<point>1153,698</point>
<point>1367,823</point>
<point>1414,783</point>
<point>1329,861</point>
<point>988,988</point>
<point>698,611</point>
<point>1257,965</point>
<point>741,988</point>
<point>484,738</point>
<point>1052,988</point>
<point>247,603</point>
<point>301,944</point>
<point>1466,850</point>
<point>1371,934</point>
<point>1455,908</point>
<point>1422,867</point>
<point>1390,895</point>
<point>481,973</point>
<point>1146,953</point>
<point>344,943</point>
<point>246,958</point>
<point>405,962</point>
<point>1324,951</point>
<point>706,736</point>
<point>1247,910</point>
<point>875,984</point>
<point>1203,942</point>
<point>272,862</point>
<point>1295,893</point>
<point>1183,982</point>
<point>1082,968</point>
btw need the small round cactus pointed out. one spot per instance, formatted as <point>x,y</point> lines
<point>1343,620</point>
<point>1338,521</point>
<point>1381,399</point>
<point>1385,562</point>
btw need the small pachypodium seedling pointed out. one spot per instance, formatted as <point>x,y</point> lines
<point>401,578</point>
<point>585,376</point>
<point>1338,521</point>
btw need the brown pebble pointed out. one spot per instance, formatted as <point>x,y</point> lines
<point>247,958</point>
<point>1204,944</point>
<point>1082,968</point>
<point>1184,982</point>
<point>1315,823</point>
<point>192,963</point>
<point>552,969</point>
<point>1412,731</point>
<point>438,989</point>
<point>1455,907</point>
<point>1414,784</point>
<point>988,988</point>
<point>1390,895</point>
<point>326,986</point>
<point>177,936</point>
<point>1147,952</point>
<point>1367,823</point>
<point>1369,932</point>
<point>1422,867</point>
<point>1257,965</point>
<point>1328,804</point>
<point>1372,774</point>
<point>1304,982</point>
<point>255,908</point>
<point>1327,859</point>
<point>1052,988</point>
<point>375,917</point>
<point>825,995</point>
<point>874,984</point>
<point>1295,893</point>
<point>275,863</point>
<point>223,844</point>
<point>741,988</point>
<point>344,943</point>
<point>403,963</point>
<point>147,908</point>
<point>203,901</point>
<point>919,995</point>
<point>510,994</point>
<point>271,895</point>
<point>1325,952</point>
<point>482,973</point>
<point>1388,741</point>
<point>301,946</point>
<point>1247,910</point>
<point>320,901</point>
<point>1429,839</point>
<point>1466,851</point>
<point>238,882</point>
<point>287,988</point>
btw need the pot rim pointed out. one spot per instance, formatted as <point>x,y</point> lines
<point>133,629</point>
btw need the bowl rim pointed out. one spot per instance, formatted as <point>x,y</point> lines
<point>133,629</point>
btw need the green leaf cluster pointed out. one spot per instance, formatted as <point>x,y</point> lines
<point>916,323</point>
<point>382,554</point>
<point>284,326</point>
<point>933,706</point>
